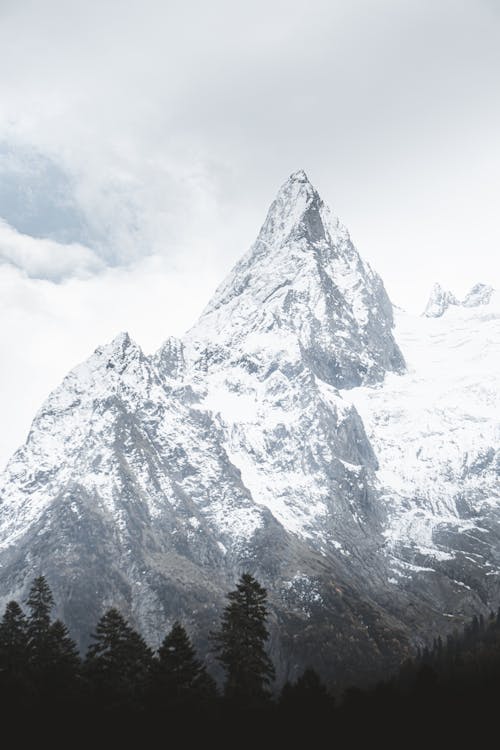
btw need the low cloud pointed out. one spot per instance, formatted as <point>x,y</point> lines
<point>44,258</point>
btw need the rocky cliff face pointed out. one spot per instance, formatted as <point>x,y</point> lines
<point>151,483</point>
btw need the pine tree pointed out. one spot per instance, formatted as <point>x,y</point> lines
<point>15,685</point>
<point>53,655</point>
<point>13,640</point>
<point>40,603</point>
<point>118,663</point>
<point>240,642</point>
<point>179,677</point>
<point>64,660</point>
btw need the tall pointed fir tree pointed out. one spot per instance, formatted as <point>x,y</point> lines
<point>40,604</point>
<point>65,664</point>
<point>240,643</point>
<point>13,640</point>
<point>179,678</point>
<point>53,655</point>
<point>14,666</point>
<point>118,663</point>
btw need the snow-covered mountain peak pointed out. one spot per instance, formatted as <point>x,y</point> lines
<point>298,212</point>
<point>480,294</point>
<point>117,353</point>
<point>298,176</point>
<point>169,358</point>
<point>302,294</point>
<point>439,301</point>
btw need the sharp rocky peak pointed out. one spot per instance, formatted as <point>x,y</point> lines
<point>480,294</point>
<point>297,212</point>
<point>301,294</point>
<point>169,359</point>
<point>440,299</point>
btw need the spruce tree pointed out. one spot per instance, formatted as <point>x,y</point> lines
<point>40,603</point>
<point>15,681</point>
<point>53,656</point>
<point>240,643</point>
<point>64,660</point>
<point>118,663</point>
<point>179,678</point>
<point>13,641</point>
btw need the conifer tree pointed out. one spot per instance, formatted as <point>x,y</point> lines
<point>53,655</point>
<point>15,683</point>
<point>64,660</point>
<point>240,642</point>
<point>179,677</point>
<point>40,603</point>
<point>13,640</point>
<point>118,663</point>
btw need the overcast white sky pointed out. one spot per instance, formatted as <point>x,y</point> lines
<point>142,142</point>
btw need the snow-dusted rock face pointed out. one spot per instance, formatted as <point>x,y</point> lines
<point>151,482</point>
<point>301,297</point>
<point>439,301</point>
<point>480,294</point>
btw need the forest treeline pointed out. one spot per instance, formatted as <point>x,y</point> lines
<point>123,687</point>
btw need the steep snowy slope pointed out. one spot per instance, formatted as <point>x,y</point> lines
<point>436,434</point>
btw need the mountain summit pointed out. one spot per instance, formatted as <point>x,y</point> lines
<point>303,294</point>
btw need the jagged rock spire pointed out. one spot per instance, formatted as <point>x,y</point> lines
<point>439,301</point>
<point>302,289</point>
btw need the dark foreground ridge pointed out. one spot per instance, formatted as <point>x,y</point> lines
<point>122,691</point>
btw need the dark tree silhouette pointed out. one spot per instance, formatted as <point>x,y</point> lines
<point>179,678</point>
<point>118,663</point>
<point>15,682</point>
<point>308,694</point>
<point>64,661</point>
<point>13,641</point>
<point>240,642</point>
<point>40,604</point>
<point>53,655</point>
